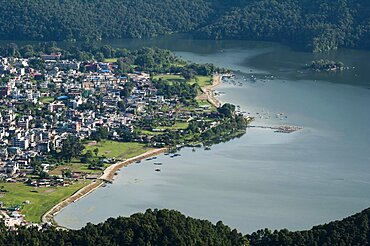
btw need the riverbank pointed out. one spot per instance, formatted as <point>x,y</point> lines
<point>209,93</point>
<point>107,176</point>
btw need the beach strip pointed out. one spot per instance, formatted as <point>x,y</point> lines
<point>208,91</point>
<point>107,176</point>
<point>109,172</point>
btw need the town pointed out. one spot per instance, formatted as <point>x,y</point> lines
<point>62,122</point>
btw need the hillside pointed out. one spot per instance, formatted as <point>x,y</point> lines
<point>353,230</point>
<point>57,20</point>
<point>316,25</point>
<point>168,227</point>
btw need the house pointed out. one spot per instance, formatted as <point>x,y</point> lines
<point>51,57</point>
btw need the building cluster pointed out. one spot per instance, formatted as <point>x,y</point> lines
<point>44,100</point>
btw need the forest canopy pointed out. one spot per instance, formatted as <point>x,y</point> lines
<point>169,227</point>
<point>316,25</point>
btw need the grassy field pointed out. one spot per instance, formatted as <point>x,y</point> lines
<point>169,77</point>
<point>180,125</point>
<point>75,166</point>
<point>110,60</point>
<point>41,199</point>
<point>202,81</point>
<point>47,99</point>
<point>203,103</point>
<point>112,149</point>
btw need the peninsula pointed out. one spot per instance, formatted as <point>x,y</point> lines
<point>69,124</point>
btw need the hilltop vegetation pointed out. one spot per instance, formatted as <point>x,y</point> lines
<point>168,227</point>
<point>92,20</point>
<point>316,25</point>
<point>158,227</point>
<point>353,230</point>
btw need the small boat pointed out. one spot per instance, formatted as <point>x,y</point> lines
<point>157,170</point>
<point>138,161</point>
<point>158,163</point>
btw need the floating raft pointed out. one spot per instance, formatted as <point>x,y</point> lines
<point>280,129</point>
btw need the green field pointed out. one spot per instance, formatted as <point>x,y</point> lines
<point>110,60</point>
<point>41,199</point>
<point>47,99</point>
<point>203,103</point>
<point>179,125</point>
<point>169,77</point>
<point>112,149</point>
<point>202,81</point>
<point>75,166</point>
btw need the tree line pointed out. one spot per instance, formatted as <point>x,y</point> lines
<point>316,25</point>
<point>168,227</point>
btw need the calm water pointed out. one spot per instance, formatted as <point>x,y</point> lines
<point>263,179</point>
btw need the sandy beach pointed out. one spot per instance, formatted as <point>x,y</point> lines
<point>208,91</point>
<point>107,176</point>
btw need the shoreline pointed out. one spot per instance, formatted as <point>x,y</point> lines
<point>208,91</point>
<point>107,176</point>
<point>109,172</point>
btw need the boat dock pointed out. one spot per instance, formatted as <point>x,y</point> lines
<point>280,129</point>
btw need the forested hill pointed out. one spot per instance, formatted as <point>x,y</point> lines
<point>55,20</point>
<point>316,25</point>
<point>168,227</point>
<point>353,231</point>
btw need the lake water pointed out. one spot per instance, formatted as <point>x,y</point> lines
<point>263,179</point>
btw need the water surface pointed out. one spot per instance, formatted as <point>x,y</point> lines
<point>263,179</point>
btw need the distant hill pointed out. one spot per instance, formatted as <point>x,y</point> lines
<point>55,20</point>
<point>316,25</point>
<point>168,227</point>
<point>353,231</point>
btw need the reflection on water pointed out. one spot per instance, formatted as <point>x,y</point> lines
<point>263,179</point>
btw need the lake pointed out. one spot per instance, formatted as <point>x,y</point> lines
<point>263,179</point>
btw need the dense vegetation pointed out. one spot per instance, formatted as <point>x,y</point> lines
<point>167,227</point>
<point>151,60</point>
<point>353,230</point>
<point>325,65</point>
<point>317,25</point>
<point>158,227</point>
<point>93,20</point>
